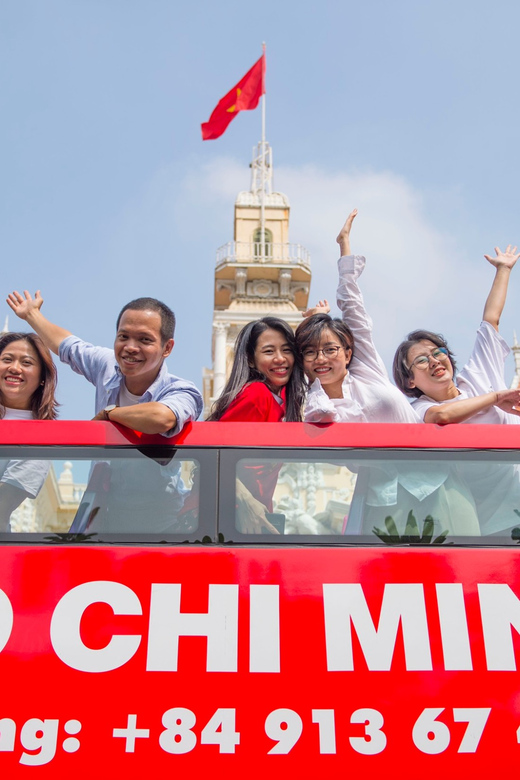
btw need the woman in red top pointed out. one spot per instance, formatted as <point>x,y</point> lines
<point>266,384</point>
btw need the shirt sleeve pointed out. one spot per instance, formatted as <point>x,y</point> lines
<point>184,400</point>
<point>27,475</point>
<point>352,307</point>
<point>484,370</point>
<point>319,407</point>
<point>421,406</point>
<point>84,358</point>
<point>255,403</point>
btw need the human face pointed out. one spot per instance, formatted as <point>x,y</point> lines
<point>274,358</point>
<point>20,374</point>
<point>331,371</point>
<point>435,381</point>
<point>139,350</point>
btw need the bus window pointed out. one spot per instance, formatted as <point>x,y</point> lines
<point>375,497</point>
<point>112,494</point>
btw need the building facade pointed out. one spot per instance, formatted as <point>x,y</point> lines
<point>258,273</point>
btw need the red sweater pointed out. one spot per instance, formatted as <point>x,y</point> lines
<point>254,403</point>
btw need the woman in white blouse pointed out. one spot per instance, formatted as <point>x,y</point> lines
<point>349,383</point>
<point>425,370</point>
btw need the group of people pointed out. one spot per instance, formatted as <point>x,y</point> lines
<point>327,371</point>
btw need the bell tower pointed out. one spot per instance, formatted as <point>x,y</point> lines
<point>259,273</point>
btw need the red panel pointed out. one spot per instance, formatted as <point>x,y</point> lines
<point>39,684</point>
<point>88,433</point>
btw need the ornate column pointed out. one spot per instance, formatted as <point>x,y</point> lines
<point>240,280</point>
<point>284,278</point>
<point>219,364</point>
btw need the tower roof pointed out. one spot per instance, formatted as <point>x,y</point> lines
<point>271,199</point>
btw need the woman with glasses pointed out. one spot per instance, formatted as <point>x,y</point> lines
<point>424,368</point>
<point>349,383</point>
<point>348,380</point>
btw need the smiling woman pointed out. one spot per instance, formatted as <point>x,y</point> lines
<point>27,378</point>
<point>348,380</point>
<point>265,385</point>
<point>424,369</point>
<point>27,387</point>
<point>266,381</point>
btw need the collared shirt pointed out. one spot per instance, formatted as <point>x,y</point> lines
<point>99,366</point>
<point>368,393</point>
<point>369,396</point>
<point>483,373</point>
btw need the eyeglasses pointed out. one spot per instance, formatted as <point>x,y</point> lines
<point>423,361</point>
<point>313,354</point>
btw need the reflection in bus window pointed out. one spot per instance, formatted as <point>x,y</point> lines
<point>150,495</point>
<point>130,494</point>
<point>392,500</point>
<point>429,490</point>
<point>53,507</point>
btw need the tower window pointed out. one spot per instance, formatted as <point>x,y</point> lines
<point>268,243</point>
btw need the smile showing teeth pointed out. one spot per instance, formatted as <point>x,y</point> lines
<point>13,380</point>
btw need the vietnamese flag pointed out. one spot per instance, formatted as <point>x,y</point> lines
<point>243,97</point>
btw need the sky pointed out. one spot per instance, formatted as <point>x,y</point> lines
<point>407,110</point>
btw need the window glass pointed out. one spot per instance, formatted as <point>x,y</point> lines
<point>376,497</point>
<point>107,493</point>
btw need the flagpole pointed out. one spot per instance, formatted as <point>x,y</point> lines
<point>262,195</point>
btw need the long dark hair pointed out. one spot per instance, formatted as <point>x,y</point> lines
<point>243,371</point>
<point>43,403</point>
<point>401,369</point>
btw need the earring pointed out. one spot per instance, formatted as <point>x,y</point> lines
<point>42,382</point>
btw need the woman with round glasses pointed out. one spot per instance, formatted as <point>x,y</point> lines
<point>424,369</point>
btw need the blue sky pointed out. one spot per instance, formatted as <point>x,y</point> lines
<point>407,110</point>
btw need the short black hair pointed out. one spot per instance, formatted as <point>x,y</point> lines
<point>152,304</point>
<point>310,331</point>
<point>403,372</point>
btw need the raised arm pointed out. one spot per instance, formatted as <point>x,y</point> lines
<point>352,307</point>
<point>343,238</point>
<point>28,309</point>
<point>503,262</point>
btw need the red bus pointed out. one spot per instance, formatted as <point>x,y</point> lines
<point>153,631</point>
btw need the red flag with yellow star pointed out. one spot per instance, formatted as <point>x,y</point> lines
<point>243,97</point>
